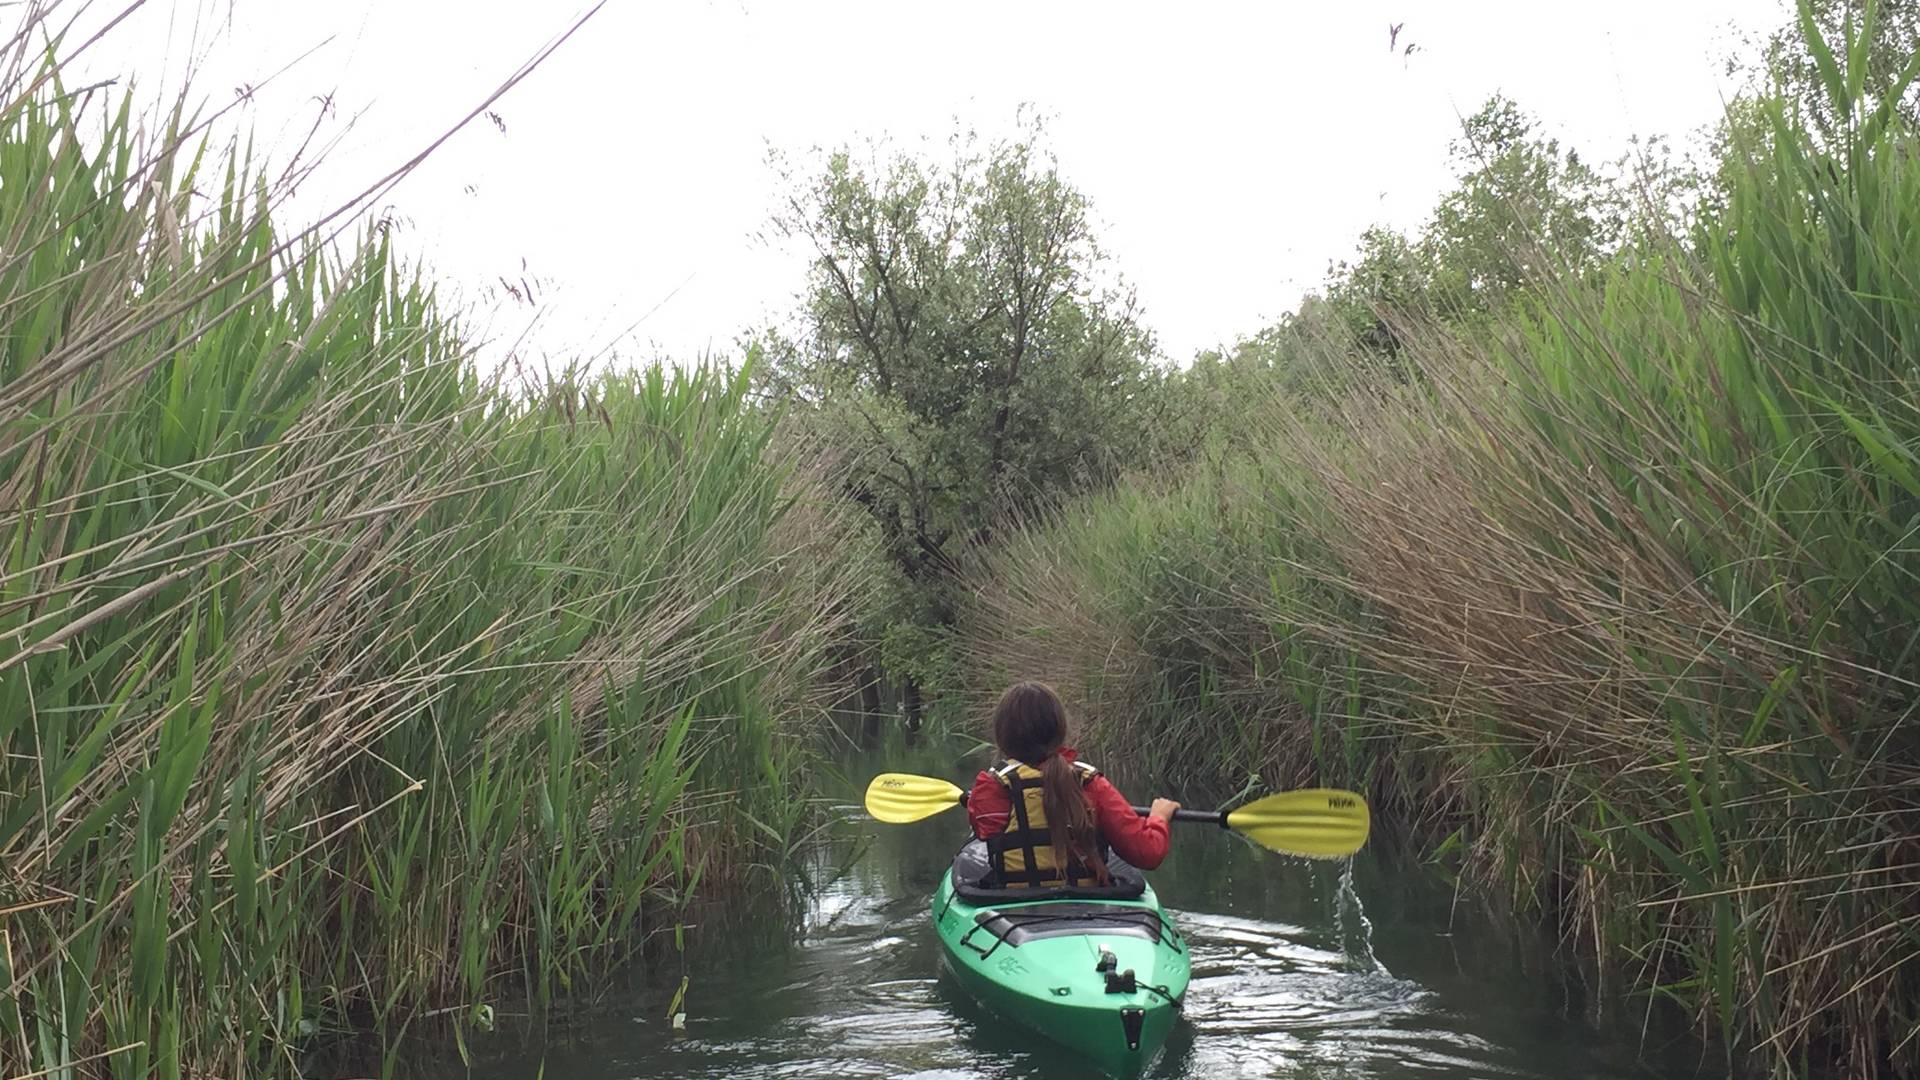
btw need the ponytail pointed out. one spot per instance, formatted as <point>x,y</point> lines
<point>1029,725</point>
<point>1070,819</point>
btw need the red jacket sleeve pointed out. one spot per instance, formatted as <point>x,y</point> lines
<point>988,805</point>
<point>1141,841</point>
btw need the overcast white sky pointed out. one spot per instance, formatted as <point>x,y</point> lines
<point>1230,150</point>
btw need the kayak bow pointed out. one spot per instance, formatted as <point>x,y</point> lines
<point>1105,977</point>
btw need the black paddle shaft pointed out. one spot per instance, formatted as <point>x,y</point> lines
<point>1204,817</point>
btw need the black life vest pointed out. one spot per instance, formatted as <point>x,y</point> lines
<point>1021,855</point>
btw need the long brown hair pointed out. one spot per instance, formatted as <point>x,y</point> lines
<point>1029,725</point>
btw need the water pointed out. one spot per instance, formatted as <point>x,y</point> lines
<point>1357,971</point>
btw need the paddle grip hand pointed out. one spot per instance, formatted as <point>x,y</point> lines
<point>1204,817</point>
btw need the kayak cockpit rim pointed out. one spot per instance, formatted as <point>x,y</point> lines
<point>1013,926</point>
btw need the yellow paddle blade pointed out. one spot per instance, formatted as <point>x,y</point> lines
<point>1318,822</point>
<point>897,798</point>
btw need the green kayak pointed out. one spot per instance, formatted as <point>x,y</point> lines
<point>1103,975</point>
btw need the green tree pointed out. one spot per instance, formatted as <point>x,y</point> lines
<point>1829,87</point>
<point>1369,300</point>
<point>1886,36</point>
<point>1524,209</point>
<point>962,337</point>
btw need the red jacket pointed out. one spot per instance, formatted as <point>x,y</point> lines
<point>1141,841</point>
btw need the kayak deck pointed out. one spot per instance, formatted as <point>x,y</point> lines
<point>1104,977</point>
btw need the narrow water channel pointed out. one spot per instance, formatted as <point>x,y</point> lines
<point>1300,970</point>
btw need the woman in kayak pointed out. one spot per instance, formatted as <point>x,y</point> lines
<point>1047,817</point>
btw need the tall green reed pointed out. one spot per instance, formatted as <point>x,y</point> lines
<point>341,684</point>
<point>1619,594</point>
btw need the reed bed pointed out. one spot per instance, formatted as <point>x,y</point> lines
<point>341,684</point>
<point>1614,604</point>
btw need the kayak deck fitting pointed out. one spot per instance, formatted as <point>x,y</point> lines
<point>1100,971</point>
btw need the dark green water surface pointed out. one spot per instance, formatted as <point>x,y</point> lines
<point>1301,969</point>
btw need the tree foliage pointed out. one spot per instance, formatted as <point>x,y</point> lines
<point>1825,88</point>
<point>961,335</point>
<point>1524,208</point>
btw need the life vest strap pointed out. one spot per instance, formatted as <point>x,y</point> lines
<point>1030,834</point>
